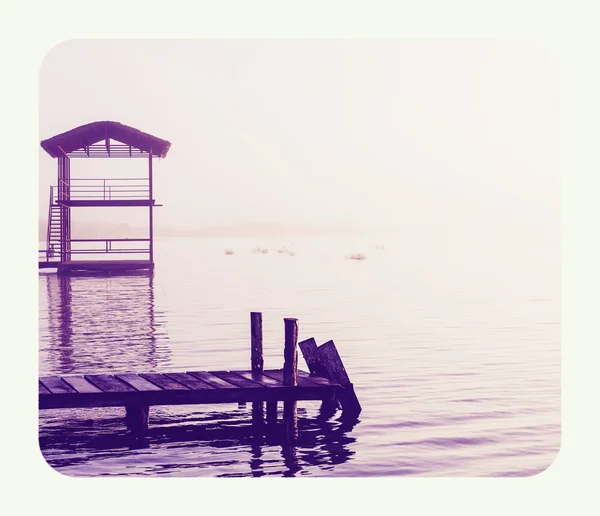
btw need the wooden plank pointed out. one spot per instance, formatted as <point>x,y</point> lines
<point>42,389</point>
<point>164,382</point>
<point>189,381</point>
<point>290,351</point>
<point>80,384</point>
<point>137,382</point>
<point>213,380</point>
<point>236,379</point>
<point>259,378</point>
<point>336,372</point>
<point>311,357</point>
<point>332,362</point>
<point>108,383</point>
<point>56,385</point>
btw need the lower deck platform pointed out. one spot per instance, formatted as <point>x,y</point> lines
<point>97,265</point>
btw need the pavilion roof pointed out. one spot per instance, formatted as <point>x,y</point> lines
<point>89,134</point>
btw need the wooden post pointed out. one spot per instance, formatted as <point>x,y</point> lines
<point>330,359</point>
<point>256,359</point>
<point>290,376</point>
<point>136,418</point>
<point>290,352</point>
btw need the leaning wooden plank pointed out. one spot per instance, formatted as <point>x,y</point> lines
<point>332,363</point>
<point>236,379</point>
<point>80,384</point>
<point>213,380</point>
<point>56,385</point>
<point>311,357</point>
<point>164,382</point>
<point>137,382</point>
<point>259,378</point>
<point>336,372</point>
<point>189,381</point>
<point>42,389</point>
<point>108,383</point>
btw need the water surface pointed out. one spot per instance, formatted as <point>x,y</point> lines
<point>454,351</point>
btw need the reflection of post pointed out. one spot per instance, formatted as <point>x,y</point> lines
<point>256,462</point>
<point>65,322</point>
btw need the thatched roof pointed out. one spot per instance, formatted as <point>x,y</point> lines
<point>89,134</point>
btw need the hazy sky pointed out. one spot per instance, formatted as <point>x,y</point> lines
<point>442,134</point>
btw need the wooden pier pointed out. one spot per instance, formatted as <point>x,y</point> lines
<point>138,391</point>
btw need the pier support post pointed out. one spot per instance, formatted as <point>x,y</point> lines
<point>256,359</point>
<point>290,375</point>
<point>136,418</point>
<point>271,412</point>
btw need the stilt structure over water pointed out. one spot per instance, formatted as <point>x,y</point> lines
<point>99,140</point>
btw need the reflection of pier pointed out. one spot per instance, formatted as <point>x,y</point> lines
<point>101,323</point>
<point>321,443</point>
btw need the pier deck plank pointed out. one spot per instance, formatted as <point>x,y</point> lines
<point>108,383</point>
<point>81,385</point>
<point>56,385</point>
<point>137,382</point>
<point>123,389</point>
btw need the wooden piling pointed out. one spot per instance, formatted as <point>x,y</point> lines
<point>290,376</point>
<point>290,352</point>
<point>136,418</point>
<point>256,336</point>
<point>256,359</point>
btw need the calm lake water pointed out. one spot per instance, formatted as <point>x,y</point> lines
<point>454,351</point>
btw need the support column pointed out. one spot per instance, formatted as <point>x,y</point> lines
<point>136,418</point>
<point>151,209</point>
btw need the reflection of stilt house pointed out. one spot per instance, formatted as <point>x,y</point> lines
<point>99,140</point>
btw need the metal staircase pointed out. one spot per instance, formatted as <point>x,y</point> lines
<point>53,241</point>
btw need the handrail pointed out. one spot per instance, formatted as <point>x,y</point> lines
<point>109,179</point>
<point>110,239</point>
<point>106,188</point>
<point>108,246</point>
